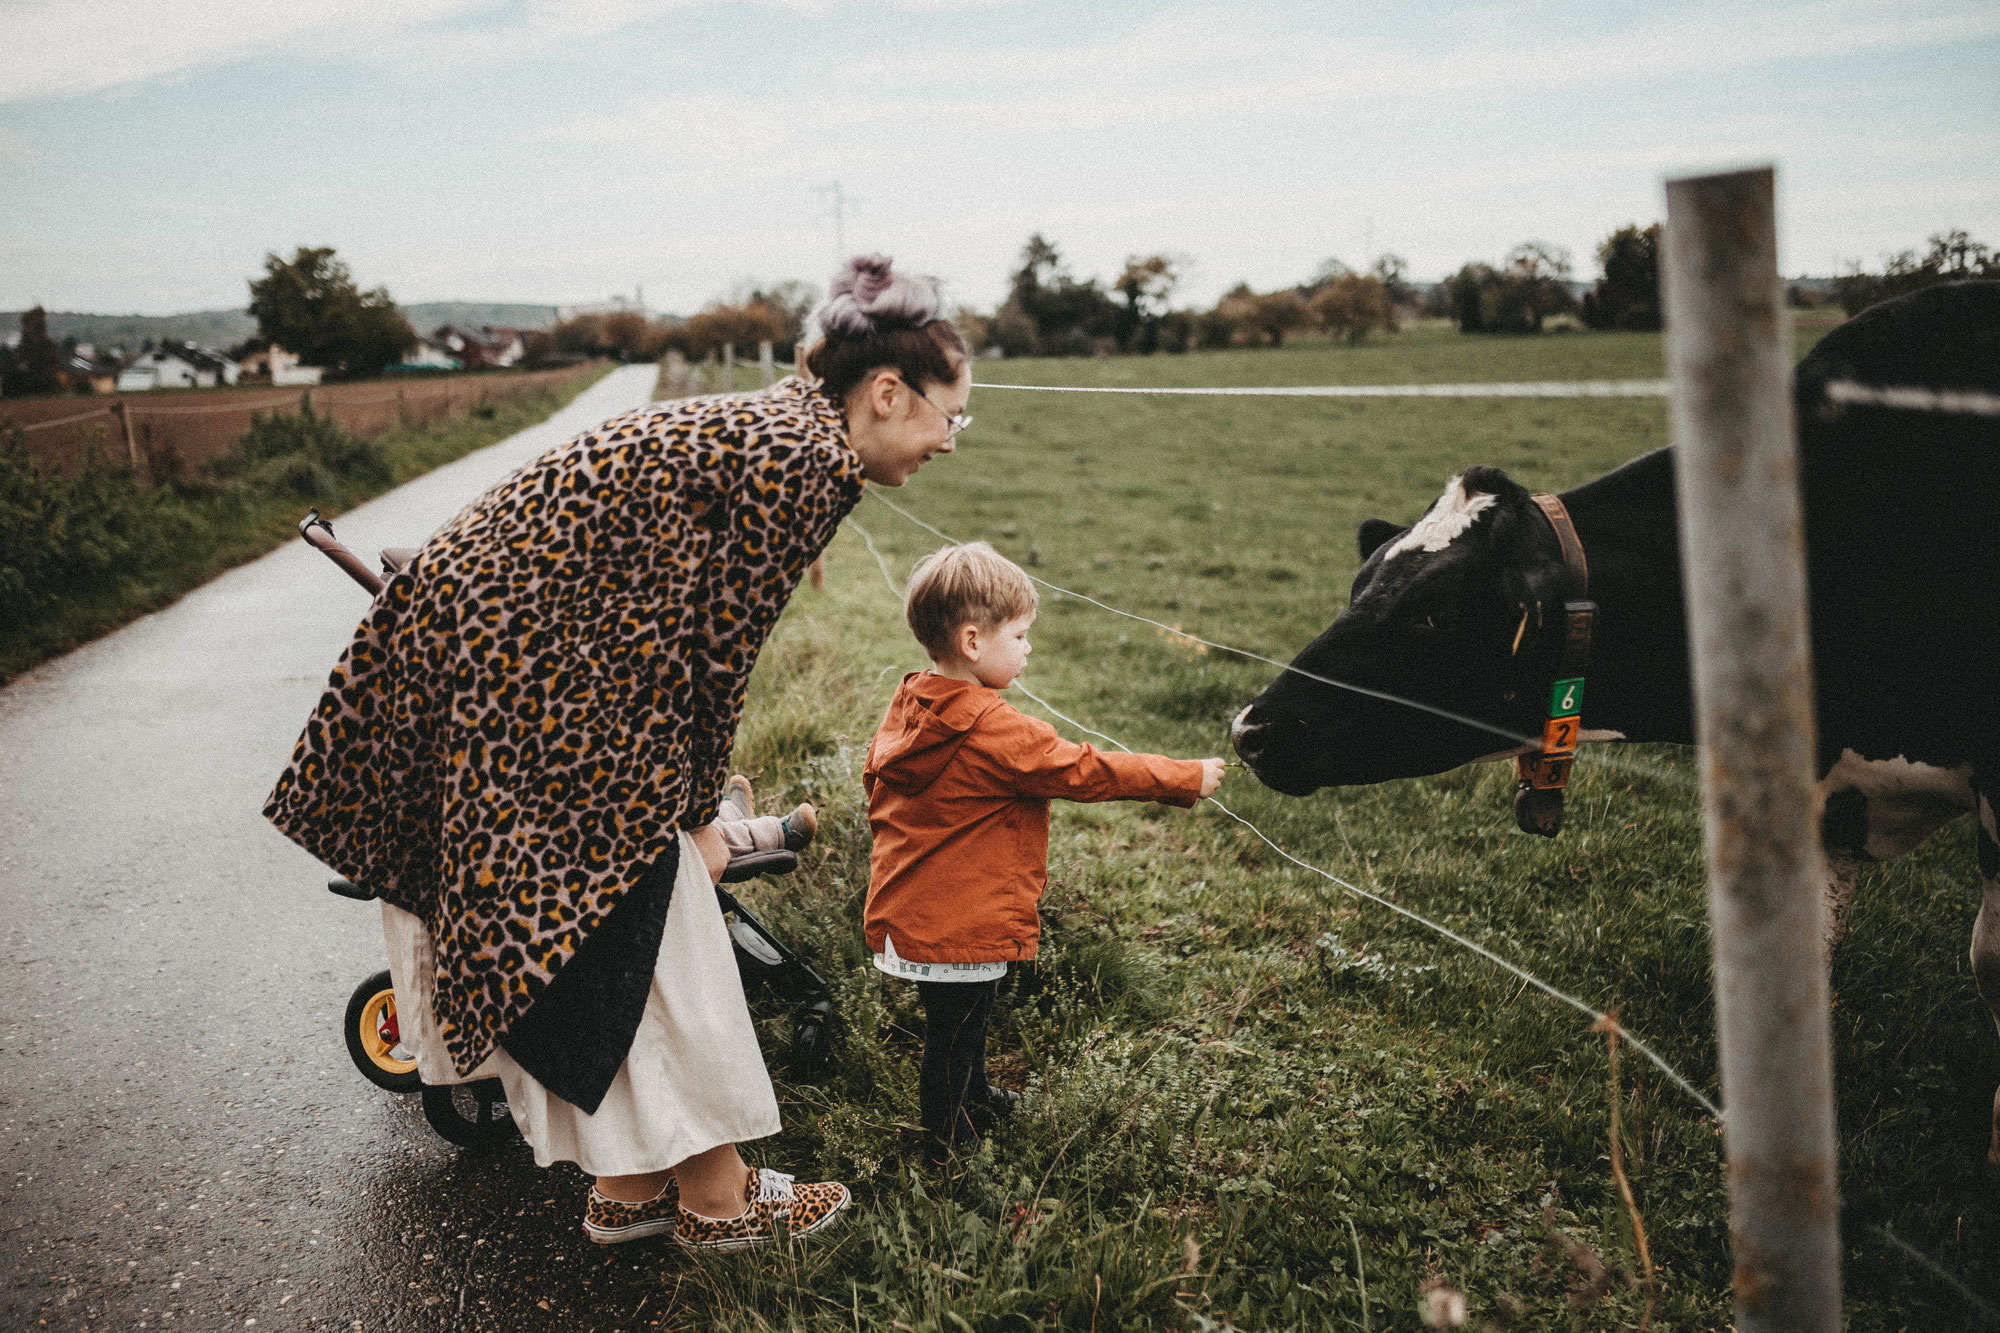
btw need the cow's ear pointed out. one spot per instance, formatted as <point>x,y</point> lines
<point>1374,532</point>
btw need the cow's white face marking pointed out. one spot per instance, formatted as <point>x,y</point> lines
<point>1906,802</point>
<point>1450,516</point>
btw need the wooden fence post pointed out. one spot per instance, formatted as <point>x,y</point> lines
<point>1736,474</point>
<point>729,367</point>
<point>767,370</point>
<point>125,423</point>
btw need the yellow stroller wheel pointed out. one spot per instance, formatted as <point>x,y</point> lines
<point>375,1041</point>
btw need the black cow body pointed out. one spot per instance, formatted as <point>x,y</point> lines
<point>1902,518</point>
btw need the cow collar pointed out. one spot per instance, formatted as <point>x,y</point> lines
<point>1543,775</point>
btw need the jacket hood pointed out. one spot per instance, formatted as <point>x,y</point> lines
<point>926,723</point>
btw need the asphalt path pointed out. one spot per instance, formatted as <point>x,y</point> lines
<point>188,1144</point>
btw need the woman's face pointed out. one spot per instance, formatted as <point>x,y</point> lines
<point>896,430</point>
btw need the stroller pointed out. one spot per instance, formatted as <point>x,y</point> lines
<point>474,1115</point>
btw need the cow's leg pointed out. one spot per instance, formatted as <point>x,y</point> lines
<point>1842,873</point>
<point>1986,938</point>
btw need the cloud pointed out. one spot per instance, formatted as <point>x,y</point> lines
<point>549,24</point>
<point>66,48</point>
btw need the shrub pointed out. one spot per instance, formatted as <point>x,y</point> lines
<point>65,535</point>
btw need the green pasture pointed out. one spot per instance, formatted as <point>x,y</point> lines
<point>1252,1101</point>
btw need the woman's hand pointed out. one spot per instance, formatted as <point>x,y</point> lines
<point>1211,776</point>
<point>708,841</point>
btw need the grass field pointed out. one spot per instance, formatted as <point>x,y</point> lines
<point>1253,1102</point>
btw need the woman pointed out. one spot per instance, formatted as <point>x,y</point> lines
<point>523,749</point>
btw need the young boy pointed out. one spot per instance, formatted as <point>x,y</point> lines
<point>958,785</point>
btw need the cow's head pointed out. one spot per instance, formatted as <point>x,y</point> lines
<point>1437,615</point>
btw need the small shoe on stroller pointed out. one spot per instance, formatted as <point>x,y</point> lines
<point>473,1115</point>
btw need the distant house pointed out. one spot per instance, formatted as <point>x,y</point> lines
<point>429,356</point>
<point>177,366</point>
<point>83,368</point>
<point>286,370</point>
<point>478,348</point>
<point>512,348</point>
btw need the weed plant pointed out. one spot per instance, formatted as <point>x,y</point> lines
<point>1253,1102</point>
<point>86,551</point>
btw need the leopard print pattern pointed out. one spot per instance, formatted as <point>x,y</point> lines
<point>608,1221</point>
<point>773,1199</point>
<point>551,687</point>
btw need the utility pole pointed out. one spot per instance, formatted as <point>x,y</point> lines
<point>1736,473</point>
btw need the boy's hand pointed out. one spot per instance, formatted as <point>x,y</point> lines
<point>1211,776</point>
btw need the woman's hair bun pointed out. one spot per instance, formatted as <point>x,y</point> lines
<point>867,297</point>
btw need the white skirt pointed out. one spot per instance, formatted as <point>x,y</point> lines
<point>693,1080</point>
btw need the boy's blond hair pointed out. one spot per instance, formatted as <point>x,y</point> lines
<point>969,584</point>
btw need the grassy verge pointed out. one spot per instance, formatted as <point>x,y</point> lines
<point>1255,1103</point>
<point>81,555</point>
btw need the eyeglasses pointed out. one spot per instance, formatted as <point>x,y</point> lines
<point>954,421</point>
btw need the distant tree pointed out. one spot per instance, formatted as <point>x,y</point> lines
<point>1233,320</point>
<point>311,307</point>
<point>38,361</point>
<point>1146,285</point>
<point>1628,295</point>
<point>738,326</point>
<point>1352,306</point>
<point>1012,331</point>
<point>1070,318</point>
<point>791,300</point>
<point>975,328</point>
<point>1953,257</point>
<point>1179,330</point>
<point>1279,313</point>
<point>1515,299</point>
<point>1392,272</point>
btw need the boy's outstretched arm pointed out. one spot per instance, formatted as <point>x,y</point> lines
<point>1026,756</point>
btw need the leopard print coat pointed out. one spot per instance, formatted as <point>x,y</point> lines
<point>552,687</point>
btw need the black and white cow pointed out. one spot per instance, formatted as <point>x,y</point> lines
<point>1902,511</point>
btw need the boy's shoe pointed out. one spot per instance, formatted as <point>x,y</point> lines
<point>737,794</point>
<point>609,1221</point>
<point>799,827</point>
<point>774,1200</point>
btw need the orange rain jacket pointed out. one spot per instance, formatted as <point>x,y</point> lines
<point>958,785</point>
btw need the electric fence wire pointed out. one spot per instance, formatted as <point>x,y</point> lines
<point>1961,402</point>
<point>1596,1015</point>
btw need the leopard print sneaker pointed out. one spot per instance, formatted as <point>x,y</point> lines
<point>608,1221</point>
<point>774,1199</point>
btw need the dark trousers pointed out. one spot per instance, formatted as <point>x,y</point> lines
<point>954,1070</point>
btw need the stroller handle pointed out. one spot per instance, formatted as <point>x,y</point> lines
<point>318,534</point>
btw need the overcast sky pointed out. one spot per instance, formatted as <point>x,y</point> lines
<point>537,150</point>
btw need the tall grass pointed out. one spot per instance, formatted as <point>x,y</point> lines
<point>1251,1099</point>
<point>84,552</point>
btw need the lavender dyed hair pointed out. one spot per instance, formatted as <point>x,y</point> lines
<point>866,297</point>
<point>874,317</point>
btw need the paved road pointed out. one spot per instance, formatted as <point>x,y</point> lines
<point>188,1146</point>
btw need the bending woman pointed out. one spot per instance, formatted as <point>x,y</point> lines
<point>522,751</point>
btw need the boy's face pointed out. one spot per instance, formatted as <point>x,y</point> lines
<point>996,653</point>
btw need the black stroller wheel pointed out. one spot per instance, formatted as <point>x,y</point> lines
<point>373,1040</point>
<point>809,1048</point>
<point>470,1115</point>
